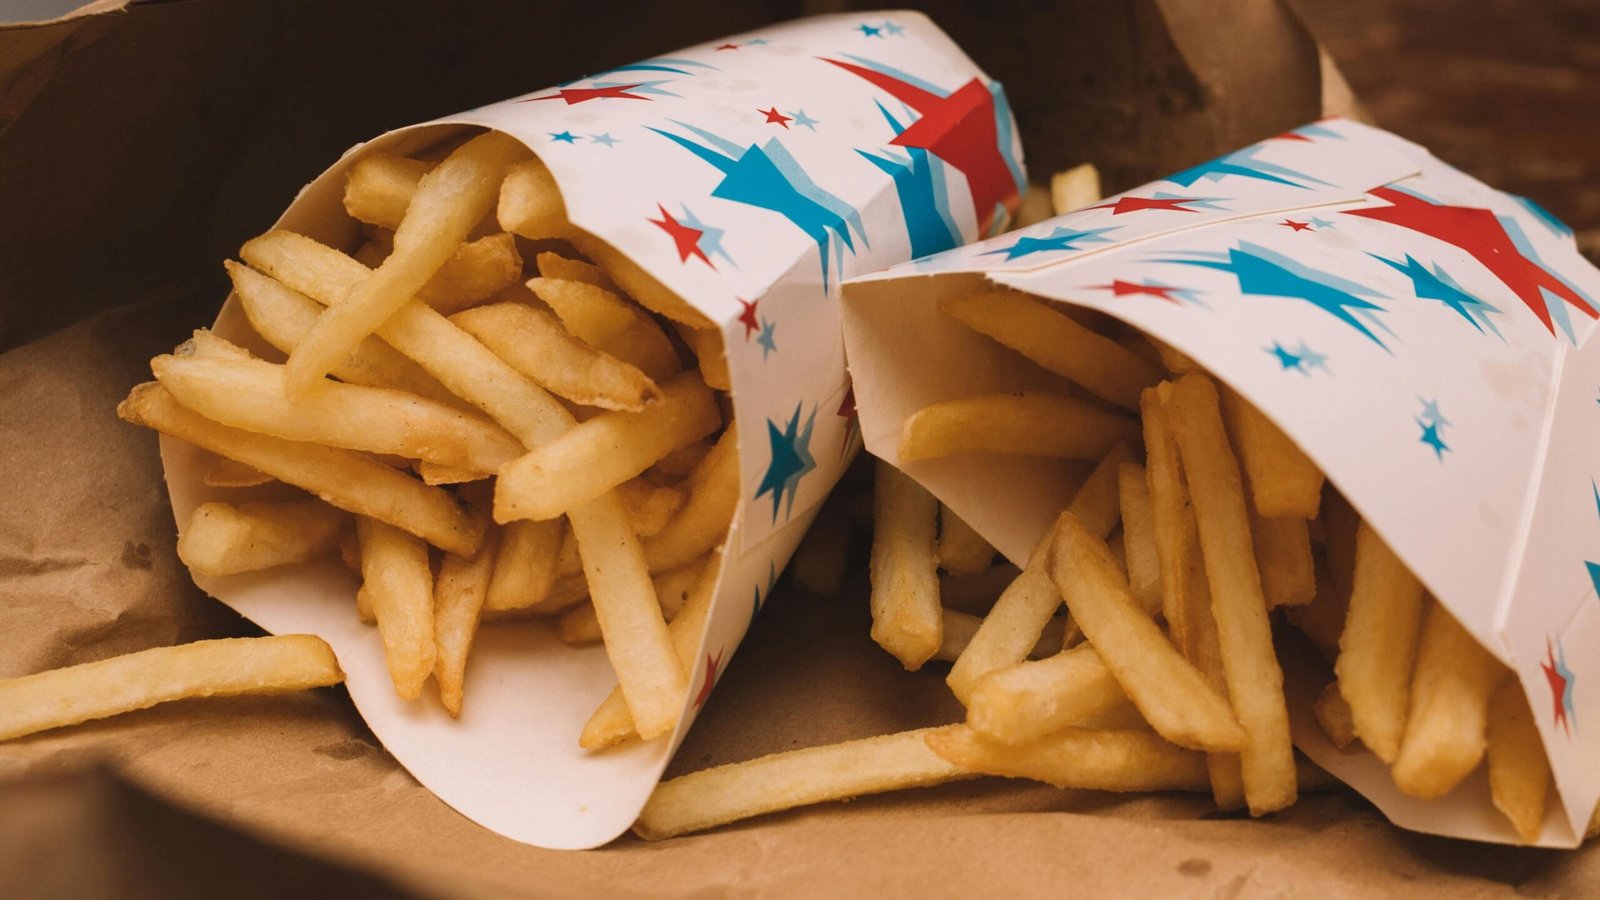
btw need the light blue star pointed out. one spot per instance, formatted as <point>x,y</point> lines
<point>766,339</point>
<point>801,120</point>
<point>869,30</point>
<point>791,460</point>
<point>1431,437</point>
<point>1058,239</point>
<point>1287,359</point>
<point>892,28</point>
<point>1319,223</point>
<point>604,139</point>
<point>1313,359</point>
<point>1430,412</point>
<point>710,238</point>
<point>565,137</point>
<point>1436,284</point>
<point>756,42</point>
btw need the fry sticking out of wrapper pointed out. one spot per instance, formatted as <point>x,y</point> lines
<point>1313,339</point>
<point>548,392</point>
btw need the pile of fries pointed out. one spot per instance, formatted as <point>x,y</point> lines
<point>1152,602</point>
<point>476,437</point>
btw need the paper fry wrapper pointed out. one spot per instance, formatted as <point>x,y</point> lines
<point>750,176</point>
<point>1426,339</point>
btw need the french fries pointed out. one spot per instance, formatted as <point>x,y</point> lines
<point>219,668</point>
<point>905,586</point>
<point>1379,644</point>
<point>223,539</point>
<point>1446,728</point>
<point>1029,423</point>
<point>1117,760</point>
<point>1519,771</point>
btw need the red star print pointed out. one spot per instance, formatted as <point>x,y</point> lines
<point>574,96</point>
<point>1297,226</point>
<point>1120,288</point>
<point>711,679</point>
<point>1140,204</point>
<point>687,239</point>
<point>1289,136</point>
<point>729,47</point>
<point>776,118</point>
<point>1558,687</point>
<point>747,317</point>
<point>1478,232</point>
<point>847,406</point>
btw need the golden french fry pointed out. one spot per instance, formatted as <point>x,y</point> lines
<point>611,723</point>
<point>530,203</point>
<point>1322,620</point>
<point>1169,691</point>
<point>957,630</point>
<point>448,203</point>
<point>1055,341</point>
<point>962,550</point>
<point>250,394</point>
<point>608,323</point>
<point>650,507</point>
<point>702,523</point>
<point>683,460</point>
<point>1244,634</point>
<point>458,596</point>
<point>581,625</point>
<point>1139,536</point>
<point>604,451</point>
<point>1176,539</point>
<point>372,254</point>
<point>379,187</point>
<point>1096,504</point>
<point>554,265</point>
<point>905,583</point>
<point>1036,698</point>
<point>1079,758</point>
<point>1519,771</point>
<point>1283,555</point>
<point>536,344</point>
<point>476,272</point>
<point>229,473</point>
<point>1075,188</point>
<point>1446,730</point>
<point>219,668</point>
<point>1283,480</point>
<point>1175,361</point>
<point>636,640</point>
<point>223,539</point>
<point>1012,627</point>
<point>350,551</point>
<point>525,567</point>
<point>1029,423</point>
<point>1379,644</point>
<point>708,348</point>
<point>466,367</point>
<point>639,284</point>
<point>724,794</point>
<point>347,480</point>
<point>434,473</point>
<point>398,581</point>
<point>1333,714</point>
<point>283,317</point>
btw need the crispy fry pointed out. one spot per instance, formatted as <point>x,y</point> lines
<point>220,668</point>
<point>379,187</point>
<point>639,284</point>
<point>1519,770</point>
<point>905,583</point>
<point>1172,695</point>
<point>458,596</point>
<point>250,394</point>
<point>1012,627</point>
<point>1075,188</point>
<point>530,203</point>
<point>229,473</point>
<point>1079,758</point>
<point>683,460</point>
<point>959,628</point>
<point>1029,423</point>
<point>702,523</point>
<point>223,539</point>
<point>1250,665</point>
<point>1139,536</point>
<point>449,201</point>
<point>554,265</point>
<point>724,794</point>
<point>707,345</point>
<point>397,580</point>
<point>525,567</point>
<point>476,272</point>
<point>1055,341</point>
<point>581,625</point>
<point>1446,730</point>
<point>1033,699</point>
<point>610,324</point>
<point>535,343</point>
<point>962,550</point>
<point>603,452</point>
<point>1283,555</point>
<point>1283,480</point>
<point>1379,644</point>
<point>1333,714</point>
<point>1096,504</point>
<point>344,479</point>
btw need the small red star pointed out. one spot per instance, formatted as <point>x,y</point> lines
<point>747,317</point>
<point>847,406</point>
<point>776,118</point>
<point>729,47</point>
<point>574,96</point>
<point>1290,136</point>
<point>1558,686</point>
<point>1297,226</point>
<point>687,239</point>
<point>711,679</point>
<point>1120,288</point>
<point>1139,204</point>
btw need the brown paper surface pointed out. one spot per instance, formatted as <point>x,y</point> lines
<point>87,567</point>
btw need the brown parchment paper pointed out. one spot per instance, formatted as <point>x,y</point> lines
<point>87,567</point>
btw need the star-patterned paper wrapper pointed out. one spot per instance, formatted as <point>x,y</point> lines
<point>1426,339</point>
<point>751,175</point>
